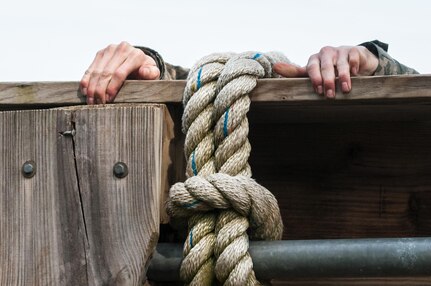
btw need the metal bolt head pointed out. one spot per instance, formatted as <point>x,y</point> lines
<point>29,169</point>
<point>120,170</point>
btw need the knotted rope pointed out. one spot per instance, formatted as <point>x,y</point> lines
<point>219,196</point>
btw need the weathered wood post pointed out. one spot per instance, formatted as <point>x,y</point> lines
<point>75,220</point>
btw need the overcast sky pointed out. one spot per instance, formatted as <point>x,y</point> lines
<point>51,40</point>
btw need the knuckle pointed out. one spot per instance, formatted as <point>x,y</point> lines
<point>326,49</point>
<point>328,83</point>
<point>90,91</point>
<point>120,74</point>
<point>111,47</point>
<point>100,53</point>
<point>315,80</point>
<point>106,74</point>
<point>356,49</point>
<point>312,60</point>
<point>315,77</point>
<point>124,44</point>
<point>96,73</point>
<point>123,47</point>
<point>343,75</point>
<point>83,83</point>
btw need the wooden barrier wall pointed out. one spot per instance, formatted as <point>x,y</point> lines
<point>357,166</point>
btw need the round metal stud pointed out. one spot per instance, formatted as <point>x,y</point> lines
<point>120,170</point>
<point>29,169</point>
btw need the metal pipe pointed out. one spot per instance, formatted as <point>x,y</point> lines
<point>389,257</point>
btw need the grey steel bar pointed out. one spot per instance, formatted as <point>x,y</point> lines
<point>388,257</point>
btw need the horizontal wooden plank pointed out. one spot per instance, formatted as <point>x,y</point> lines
<point>268,90</point>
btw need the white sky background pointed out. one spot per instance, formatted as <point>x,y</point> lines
<point>52,40</point>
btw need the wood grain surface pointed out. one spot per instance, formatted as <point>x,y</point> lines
<point>268,90</point>
<point>74,222</point>
<point>42,235</point>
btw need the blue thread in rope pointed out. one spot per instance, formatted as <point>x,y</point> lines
<point>195,170</point>
<point>226,119</point>
<point>191,237</point>
<point>199,78</point>
<point>256,56</point>
<point>192,204</point>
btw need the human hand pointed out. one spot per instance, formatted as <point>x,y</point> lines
<point>111,67</point>
<point>323,67</point>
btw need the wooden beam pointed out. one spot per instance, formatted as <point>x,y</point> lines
<point>268,90</point>
<point>74,222</point>
<point>121,214</point>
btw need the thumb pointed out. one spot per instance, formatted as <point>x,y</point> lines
<point>149,72</point>
<point>290,70</point>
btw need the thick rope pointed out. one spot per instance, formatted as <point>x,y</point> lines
<point>221,191</point>
<point>216,103</point>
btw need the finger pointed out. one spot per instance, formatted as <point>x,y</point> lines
<point>313,70</point>
<point>83,84</point>
<point>149,72</point>
<point>132,63</point>
<point>289,70</point>
<point>343,70</point>
<point>90,100</point>
<point>327,70</point>
<point>85,81</point>
<point>354,59</point>
<point>94,90</point>
<point>122,52</point>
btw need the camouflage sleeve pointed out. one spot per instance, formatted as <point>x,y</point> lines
<point>167,71</point>
<point>387,65</point>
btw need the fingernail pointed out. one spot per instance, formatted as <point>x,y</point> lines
<point>330,93</point>
<point>345,87</point>
<point>90,100</point>
<point>320,89</point>
<point>84,91</point>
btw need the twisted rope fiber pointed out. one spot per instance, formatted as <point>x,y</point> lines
<point>219,194</point>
